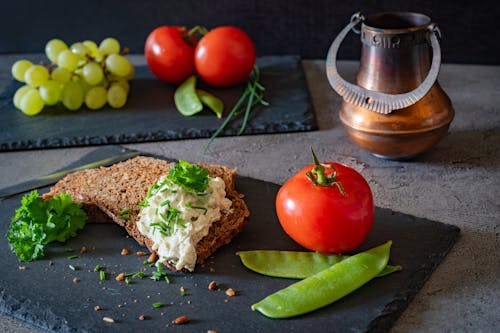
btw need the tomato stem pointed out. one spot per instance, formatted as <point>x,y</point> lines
<point>318,176</point>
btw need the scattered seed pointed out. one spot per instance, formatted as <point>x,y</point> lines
<point>211,331</point>
<point>120,305</point>
<point>83,249</point>
<point>120,277</point>
<point>125,252</point>
<point>230,292</point>
<point>97,308</point>
<point>142,317</point>
<point>141,254</point>
<point>51,263</point>
<point>212,285</point>
<point>180,320</point>
<point>22,268</point>
<point>76,280</point>
<point>152,258</point>
<point>108,319</point>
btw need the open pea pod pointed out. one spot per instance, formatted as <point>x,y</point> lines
<point>186,99</point>
<point>327,286</point>
<point>294,264</point>
<point>214,103</point>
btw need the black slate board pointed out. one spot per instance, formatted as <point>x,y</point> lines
<point>150,113</point>
<point>46,296</point>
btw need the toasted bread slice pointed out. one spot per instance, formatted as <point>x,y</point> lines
<point>106,191</point>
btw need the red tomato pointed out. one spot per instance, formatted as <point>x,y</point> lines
<point>321,218</point>
<point>168,55</point>
<point>224,56</point>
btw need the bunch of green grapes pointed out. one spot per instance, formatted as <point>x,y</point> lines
<point>83,73</point>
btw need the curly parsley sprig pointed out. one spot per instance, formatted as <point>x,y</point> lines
<point>38,222</point>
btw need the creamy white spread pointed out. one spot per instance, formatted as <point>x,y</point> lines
<point>176,220</point>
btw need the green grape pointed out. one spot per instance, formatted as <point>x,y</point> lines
<point>53,48</point>
<point>109,46</point>
<point>50,92</point>
<point>31,103</point>
<point>92,73</point>
<point>36,75</point>
<point>79,49</point>
<point>117,97</point>
<point>19,94</point>
<point>118,65</point>
<point>68,60</point>
<point>124,84</point>
<point>96,98</point>
<point>19,69</point>
<point>60,74</point>
<point>92,47</point>
<point>72,95</point>
<point>85,86</point>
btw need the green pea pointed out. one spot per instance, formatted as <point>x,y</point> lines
<point>186,100</point>
<point>294,264</point>
<point>327,286</point>
<point>215,104</point>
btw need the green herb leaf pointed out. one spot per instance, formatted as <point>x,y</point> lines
<point>191,177</point>
<point>38,222</point>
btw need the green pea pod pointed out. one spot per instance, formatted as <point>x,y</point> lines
<point>327,286</point>
<point>186,100</point>
<point>294,264</point>
<point>215,104</point>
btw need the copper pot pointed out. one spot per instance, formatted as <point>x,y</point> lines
<point>397,109</point>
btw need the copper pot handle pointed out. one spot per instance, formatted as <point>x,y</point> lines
<point>374,100</point>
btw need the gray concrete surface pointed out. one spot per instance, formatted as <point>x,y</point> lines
<point>457,182</point>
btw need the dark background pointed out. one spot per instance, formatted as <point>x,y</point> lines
<point>277,26</point>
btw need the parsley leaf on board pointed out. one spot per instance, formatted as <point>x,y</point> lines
<point>38,222</point>
<point>191,177</point>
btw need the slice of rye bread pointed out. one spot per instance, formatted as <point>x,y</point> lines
<point>106,191</point>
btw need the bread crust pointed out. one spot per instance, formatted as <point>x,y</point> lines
<point>106,191</point>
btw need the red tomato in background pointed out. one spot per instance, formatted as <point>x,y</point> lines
<point>224,56</point>
<point>320,218</point>
<point>168,55</point>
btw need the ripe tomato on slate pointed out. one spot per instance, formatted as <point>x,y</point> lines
<point>169,52</point>
<point>326,207</point>
<point>224,56</point>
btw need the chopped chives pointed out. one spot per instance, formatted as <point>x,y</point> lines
<point>68,249</point>
<point>73,257</point>
<point>73,268</point>
<point>102,275</point>
<point>97,268</point>
<point>158,305</point>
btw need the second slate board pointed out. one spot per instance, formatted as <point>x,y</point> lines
<point>45,295</point>
<point>150,113</point>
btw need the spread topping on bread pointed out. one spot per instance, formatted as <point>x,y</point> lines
<point>178,212</point>
<point>106,193</point>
